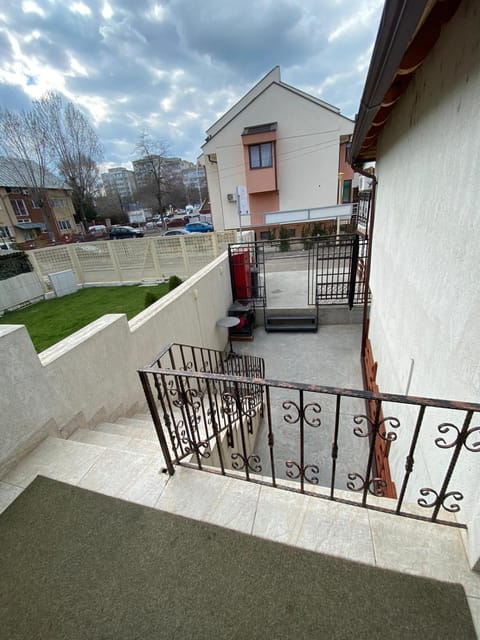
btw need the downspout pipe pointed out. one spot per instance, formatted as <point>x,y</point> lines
<point>372,177</point>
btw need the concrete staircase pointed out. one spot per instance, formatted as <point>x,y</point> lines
<point>121,459</point>
<point>124,460</point>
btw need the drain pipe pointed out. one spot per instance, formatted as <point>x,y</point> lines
<point>372,177</point>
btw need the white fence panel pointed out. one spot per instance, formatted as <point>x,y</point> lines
<point>132,260</point>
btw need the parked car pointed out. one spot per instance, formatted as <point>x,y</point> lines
<point>177,222</point>
<point>176,232</point>
<point>125,232</point>
<point>202,227</point>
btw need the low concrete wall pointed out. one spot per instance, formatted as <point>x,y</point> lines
<point>19,290</point>
<point>91,376</point>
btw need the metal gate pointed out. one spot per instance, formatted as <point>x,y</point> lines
<point>247,272</point>
<point>336,270</point>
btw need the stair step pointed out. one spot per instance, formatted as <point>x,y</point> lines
<point>128,430</point>
<point>116,441</point>
<point>137,423</point>
<point>290,323</point>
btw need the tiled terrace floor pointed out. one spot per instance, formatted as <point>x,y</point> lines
<point>123,460</point>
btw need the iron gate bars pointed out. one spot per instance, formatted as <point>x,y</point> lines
<point>229,421</point>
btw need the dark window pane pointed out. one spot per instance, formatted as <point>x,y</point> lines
<point>266,154</point>
<point>254,156</point>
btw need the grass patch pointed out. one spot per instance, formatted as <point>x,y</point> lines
<point>49,321</point>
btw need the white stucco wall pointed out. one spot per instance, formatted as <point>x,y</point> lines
<point>426,268</point>
<point>308,138</point>
<point>91,376</point>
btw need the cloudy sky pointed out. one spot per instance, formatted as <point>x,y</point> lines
<point>172,67</point>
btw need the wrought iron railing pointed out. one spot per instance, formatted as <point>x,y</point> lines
<point>223,416</point>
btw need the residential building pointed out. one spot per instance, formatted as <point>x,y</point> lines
<point>119,182</point>
<point>278,144</point>
<point>418,121</point>
<point>22,219</point>
<point>195,183</point>
<point>170,169</point>
<point>430,305</point>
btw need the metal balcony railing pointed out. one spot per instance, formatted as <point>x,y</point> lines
<point>221,415</point>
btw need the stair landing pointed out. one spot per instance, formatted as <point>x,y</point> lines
<point>123,460</point>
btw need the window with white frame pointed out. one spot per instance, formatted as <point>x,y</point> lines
<point>64,225</point>
<point>5,232</point>
<point>19,208</point>
<point>261,155</point>
<point>35,204</point>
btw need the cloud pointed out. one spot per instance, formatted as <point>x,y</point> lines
<point>172,67</point>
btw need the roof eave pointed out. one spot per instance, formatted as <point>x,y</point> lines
<point>408,30</point>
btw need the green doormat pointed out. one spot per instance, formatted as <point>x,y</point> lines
<point>76,564</point>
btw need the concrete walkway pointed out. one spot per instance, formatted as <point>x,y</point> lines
<point>330,357</point>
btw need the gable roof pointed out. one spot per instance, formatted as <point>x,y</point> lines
<point>15,173</point>
<point>408,30</point>
<point>272,78</point>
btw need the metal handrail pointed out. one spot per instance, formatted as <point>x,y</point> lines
<point>199,413</point>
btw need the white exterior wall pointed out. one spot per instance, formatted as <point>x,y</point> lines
<point>426,247</point>
<point>91,376</point>
<point>308,139</point>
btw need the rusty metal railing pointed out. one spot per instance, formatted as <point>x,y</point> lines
<point>222,416</point>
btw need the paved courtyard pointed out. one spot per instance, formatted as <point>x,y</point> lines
<point>330,357</point>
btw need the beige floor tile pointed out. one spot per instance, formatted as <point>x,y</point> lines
<point>337,530</point>
<point>147,488</point>
<point>422,548</point>
<point>279,515</point>
<point>236,506</point>
<point>191,493</point>
<point>54,458</point>
<point>127,431</point>
<point>114,472</point>
<point>8,493</point>
<point>474,604</point>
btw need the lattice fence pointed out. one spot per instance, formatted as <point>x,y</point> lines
<point>132,260</point>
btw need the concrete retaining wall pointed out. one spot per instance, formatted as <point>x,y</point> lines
<point>91,376</point>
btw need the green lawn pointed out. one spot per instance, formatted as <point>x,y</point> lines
<point>49,321</point>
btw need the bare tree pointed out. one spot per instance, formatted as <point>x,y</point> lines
<point>152,154</point>
<point>52,136</point>
<point>25,144</point>
<point>76,148</point>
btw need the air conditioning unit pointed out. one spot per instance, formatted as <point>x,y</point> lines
<point>231,197</point>
<point>25,192</point>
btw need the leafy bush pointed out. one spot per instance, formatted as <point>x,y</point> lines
<point>12,264</point>
<point>284,241</point>
<point>150,298</point>
<point>174,282</point>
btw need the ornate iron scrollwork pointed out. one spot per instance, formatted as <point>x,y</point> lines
<point>445,427</point>
<point>376,485</point>
<point>388,436</point>
<point>248,406</point>
<point>452,508</point>
<point>301,472</point>
<point>252,462</point>
<point>312,407</point>
<point>229,404</point>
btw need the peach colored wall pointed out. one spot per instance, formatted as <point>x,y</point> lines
<point>260,180</point>
<point>261,203</point>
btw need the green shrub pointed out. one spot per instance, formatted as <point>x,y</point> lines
<point>284,241</point>
<point>12,264</point>
<point>174,282</point>
<point>150,298</point>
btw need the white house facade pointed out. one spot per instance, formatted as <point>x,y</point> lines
<point>282,145</point>
<point>424,325</point>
